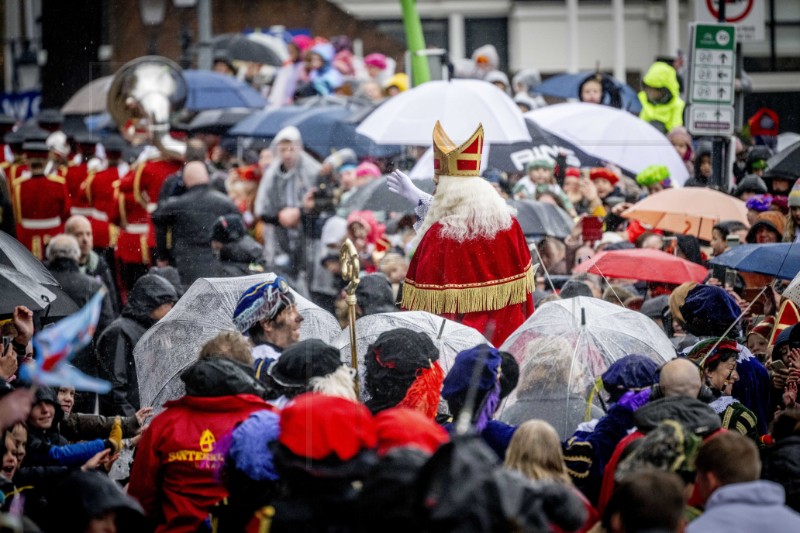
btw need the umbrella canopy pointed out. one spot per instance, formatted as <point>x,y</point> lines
<point>689,211</point>
<point>786,162</point>
<point>205,310</point>
<point>90,99</point>
<point>19,289</point>
<point>612,135</point>
<point>274,43</point>
<point>565,346</point>
<point>512,158</point>
<point>785,140</point>
<point>62,305</point>
<point>265,124</point>
<point>792,292</point>
<point>780,260</point>
<point>218,121</point>
<point>325,129</point>
<point>376,196</point>
<point>212,90</point>
<point>13,254</point>
<point>449,337</point>
<point>244,48</point>
<point>644,264</point>
<point>459,105</point>
<point>207,90</point>
<point>568,86</point>
<point>540,219</point>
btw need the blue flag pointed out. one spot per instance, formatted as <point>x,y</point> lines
<point>55,346</point>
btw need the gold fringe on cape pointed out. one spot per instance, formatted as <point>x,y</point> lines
<point>469,297</point>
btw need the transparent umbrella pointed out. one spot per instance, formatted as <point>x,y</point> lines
<point>564,347</point>
<point>205,310</point>
<point>449,336</point>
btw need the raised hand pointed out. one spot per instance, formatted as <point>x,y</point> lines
<point>400,183</point>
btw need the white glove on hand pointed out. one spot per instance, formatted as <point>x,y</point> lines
<point>400,183</point>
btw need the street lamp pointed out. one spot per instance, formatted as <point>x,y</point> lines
<point>185,36</point>
<point>152,14</point>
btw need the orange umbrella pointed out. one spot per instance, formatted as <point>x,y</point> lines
<point>644,264</point>
<point>688,210</point>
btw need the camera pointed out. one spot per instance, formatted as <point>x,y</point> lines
<point>324,195</point>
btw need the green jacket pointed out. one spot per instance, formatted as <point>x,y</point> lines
<point>670,114</point>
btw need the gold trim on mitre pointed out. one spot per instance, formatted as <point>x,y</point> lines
<point>460,161</point>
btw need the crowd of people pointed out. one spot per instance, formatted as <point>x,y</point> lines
<point>273,431</point>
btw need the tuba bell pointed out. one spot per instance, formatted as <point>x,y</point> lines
<point>143,95</point>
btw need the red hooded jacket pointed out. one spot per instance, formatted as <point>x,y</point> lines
<point>175,474</point>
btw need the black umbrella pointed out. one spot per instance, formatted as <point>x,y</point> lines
<point>376,196</point>
<point>218,121</point>
<point>786,162</point>
<point>245,49</point>
<point>545,145</point>
<point>14,255</point>
<point>19,289</point>
<point>61,305</point>
<point>539,219</point>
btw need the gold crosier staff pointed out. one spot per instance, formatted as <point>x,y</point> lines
<point>350,265</point>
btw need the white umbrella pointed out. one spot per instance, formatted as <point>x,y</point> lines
<point>90,99</point>
<point>449,337</point>
<point>204,311</point>
<point>459,105</point>
<point>792,292</point>
<point>611,135</point>
<point>270,41</point>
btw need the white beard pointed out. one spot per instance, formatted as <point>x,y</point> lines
<point>467,208</point>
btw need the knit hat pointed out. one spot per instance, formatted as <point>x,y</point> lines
<point>794,195</point>
<point>375,60</point>
<point>703,355</point>
<point>652,175</point>
<point>288,133</point>
<point>632,372</point>
<point>768,219</point>
<point>709,310</point>
<point>250,445</point>
<point>303,42</point>
<point>400,427</point>
<point>751,183</point>
<point>603,173</point>
<point>315,427</point>
<point>399,80</point>
<point>402,370</point>
<point>367,169</point>
<point>763,328</point>
<point>302,361</point>
<point>540,163</point>
<point>228,228</point>
<point>780,204</point>
<point>263,300</point>
<point>759,203</point>
<point>572,172</point>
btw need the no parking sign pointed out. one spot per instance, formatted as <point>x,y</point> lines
<point>746,15</point>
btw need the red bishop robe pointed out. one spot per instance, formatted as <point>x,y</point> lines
<point>473,282</point>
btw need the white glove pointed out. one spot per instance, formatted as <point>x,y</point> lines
<point>400,183</point>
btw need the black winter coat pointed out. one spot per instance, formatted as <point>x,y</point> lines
<point>114,349</point>
<point>189,219</point>
<point>81,287</point>
<point>781,464</point>
<point>242,257</point>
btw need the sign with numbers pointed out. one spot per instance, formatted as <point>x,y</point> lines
<point>713,64</point>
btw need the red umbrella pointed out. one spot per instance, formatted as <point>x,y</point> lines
<point>643,264</point>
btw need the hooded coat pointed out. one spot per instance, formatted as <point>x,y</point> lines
<point>782,465</point>
<point>175,475</point>
<point>114,349</point>
<point>661,75</point>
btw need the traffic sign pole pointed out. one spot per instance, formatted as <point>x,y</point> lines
<point>711,96</point>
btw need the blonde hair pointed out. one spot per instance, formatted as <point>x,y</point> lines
<point>535,452</point>
<point>467,208</point>
<point>230,345</point>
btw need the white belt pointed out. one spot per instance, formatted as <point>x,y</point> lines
<point>90,212</point>
<point>139,229</point>
<point>40,223</point>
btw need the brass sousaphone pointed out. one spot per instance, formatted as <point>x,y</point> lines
<point>143,96</point>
